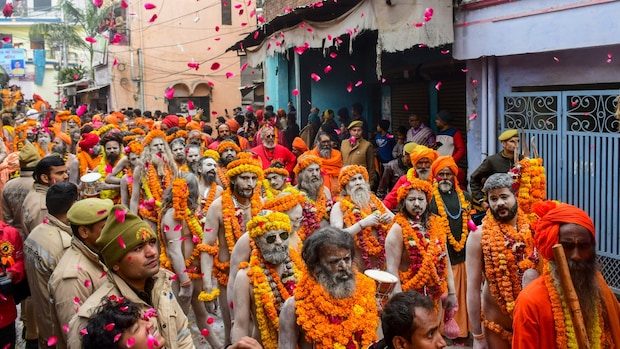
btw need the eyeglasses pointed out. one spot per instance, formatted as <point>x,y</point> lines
<point>272,238</point>
<point>270,136</point>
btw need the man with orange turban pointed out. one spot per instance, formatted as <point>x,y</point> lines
<point>299,146</point>
<point>421,158</point>
<point>62,145</point>
<point>498,255</point>
<point>541,317</point>
<point>318,201</point>
<point>331,162</point>
<point>360,213</point>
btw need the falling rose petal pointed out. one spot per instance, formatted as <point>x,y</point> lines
<point>169,93</point>
<point>337,130</point>
<point>429,12</point>
<point>210,320</point>
<point>193,65</point>
<point>244,24</point>
<point>260,18</point>
<point>609,60</point>
<point>327,69</point>
<point>252,13</point>
<point>609,55</point>
<point>338,40</point>
<point>115,63</point>
<point>333,55</point>
<point>574,104</point>
<point>349,87</point>
<point>210,83</point>
<point>195,239</point>
<point>352,140</point>
<point>174,277</point>
<point>204,332</point>
<point>438,86</point>
<point>178,227</point>
<point>52,341</point>
<point>149,6</point>
<point>153,18</point>
<point>229,75</point>
<point>109,327</point>
<point>87,283</point>
<point>190,105</point>
<point>121,243</point>
<point>358,84</point>
<point>473,116</point>
<point>295,92</point>
<point>256,33</point>
<point>97,4</point>
<point>103,274</point>
<point>91,39</point>
<point>427,19</point>
<point>102,212</point>
<point>238,6</point>
<point>267,98</point>
<point>474,82</point>
<point>6,39</point>
<point>556,59</point>
<point>124,4</point>
<point>383,80</point>
<point>45,220</point>
<point>117,337</point>
<point>419,24</point>
<point>83,332</point>
<point>422,45</point>
<point>76,300</point>
<point>300,50</point>
<point>130,342</point>
<point>151,342</point>
<point>445,52</point>
<point>464,70</point>
<point>406,107</point>
<point>244,66</point>
<point>315,77</point>
<point>352,67</point>
<point>120,216</point>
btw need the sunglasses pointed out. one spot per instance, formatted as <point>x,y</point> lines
<point>270,136</point>
<point>272,238</point>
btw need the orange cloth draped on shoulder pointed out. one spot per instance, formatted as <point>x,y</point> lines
<point>534,326</point>
<point>331,169</point>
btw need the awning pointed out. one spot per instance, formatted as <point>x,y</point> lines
<point>75,83</point>
<point>94,88</point>
<point>400,26</point>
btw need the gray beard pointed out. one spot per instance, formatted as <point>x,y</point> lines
<point>339,285</point>
<point>274,254</point>
<point>311,188</point>
<point>445,186</point>
<point>424,173</point>
<point>583,275</point>
<point>361,196</point>
<point>325,153</point>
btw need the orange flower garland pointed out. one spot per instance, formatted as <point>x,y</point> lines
<point>465,216</point>
<point>506,254</point>
<point>365,239</point>
<point>532,184</point>
<point>428,271</point>
<point>336,323</point>
<point>221,173</point>
<point>154,134</point>
<point>87,162</point>
<point>205,203</point>
<point>42,152</point>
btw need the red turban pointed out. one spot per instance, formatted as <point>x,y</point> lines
<point>171,121</point>
<point>441,163</point>
<point>233,124</point>
<point>553,214</point>
<point>89,140</point>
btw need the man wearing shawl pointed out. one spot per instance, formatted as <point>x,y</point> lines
<point>331,160</point>
<point>421,158</point>
<point>541,316</point>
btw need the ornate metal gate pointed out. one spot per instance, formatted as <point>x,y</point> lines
<point>577,135</point>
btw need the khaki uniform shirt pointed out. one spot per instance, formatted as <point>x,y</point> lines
<point>42,250</point>
<point>13,195</point>
<point>79,273</point>
<point>34,208</point>
<point>170,320</point>
<point>361,154</point>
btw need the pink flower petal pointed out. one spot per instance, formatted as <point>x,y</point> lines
<point>76,300</point>
<point>117,337</point>
<point>358,84</point>
<point>6,39</point>
<point>193,65</point>
<point>103,274</point>
<point>169,93</point>
<point>300,50</point>
<point>109,327</point>
<point>121,243</point>
<point>87,283</point>
<point>337,130</point>
<point>124,4</point>
<point>130,342</point>
<point>445,52</point>
<point>151,342</point>
<point>65,328</point>
<point>91,39</point>
<point>574,104</point>
<point>429,12</point>
<point>338,40</point>
<point>149,6</point>
<point>352,67</point>
<point>174,277</point>
<point>556,59</point>
<point>153,18</point>
<point>419,24</point>
<point>315,77</point>
<point>97,4</point>
<point>295,92</point>
<point>244,66</point>
<point>215,66</point>
<point>229,75</point>
<point>204,332</point>
<point>115,63</point>
<point>252,13</point>
<point>473,116</point>
<point>195,239</point>
<point>238,6</point>
<point>349,87</point>
<point>120,216</point>
<point>83,332</point>
<point>52,341</point>
<point>464,70</point>
<point>178,227</point>
<point>438,86</point>
<point>474,82</point>
<point>327,69</point>
<point>406,107</point>
<point>383,80</point>
<point>210,320</point>
<point>333,55</point>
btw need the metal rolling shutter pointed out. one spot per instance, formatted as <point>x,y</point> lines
<point>415,96</point>
<point>452,97</point>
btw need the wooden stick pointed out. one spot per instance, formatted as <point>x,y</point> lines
<point>581,333</point>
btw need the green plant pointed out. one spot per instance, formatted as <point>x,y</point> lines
<point>70,74</point>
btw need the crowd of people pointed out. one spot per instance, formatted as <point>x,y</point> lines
<point>117,226</point>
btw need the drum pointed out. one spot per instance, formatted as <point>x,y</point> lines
<point>385,284</point>
<point>89,186</point>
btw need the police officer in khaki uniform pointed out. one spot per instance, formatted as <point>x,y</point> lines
<point>79,272</point>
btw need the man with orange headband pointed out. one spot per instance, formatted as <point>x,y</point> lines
<point>226,222</point>
<point>228,150</point>
<point>331,162</point>
<point>452,206</point>
<point>421,158</point>
<point>498,255</point>
<point>417,245</point>
<point>61,145</point>
<point>360,213</point>
<point>318,202</point>
<point>542,318</point>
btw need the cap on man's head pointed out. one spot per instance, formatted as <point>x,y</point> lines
<point>506,135</point>
<point>89,211</point>
<point>408,148</point>
<point>445,117</point>
<point>356,123</point>
<point>29,156</point>
<point>123,231</point>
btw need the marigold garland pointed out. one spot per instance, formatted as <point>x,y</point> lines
<point>427,272</point>
<point>178,134</point>
<point>313,213</point>
<point>306,160</point>
<point>532,183</point>
<point>507,253</point>
<point>135,147</point>
<point>347,172</point>
<point>270,192</point>
<point>285,202</point>
<point>104,169</point>
<point>227,144</point>
<point>87,162</point>
<point>244,163</point>
<point>497,329</point>
<point>272,221</point>
<point>465,216</point>
<point>221,173</point>
<point>103,129</point>
<point>208,297</point>
<point>42,152</point>
<point>205,203</point>
<point>414,184</point>
<point>337,323</point>
<point>154,134</point>
<point>210,153</point>
<point>365,239</point>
